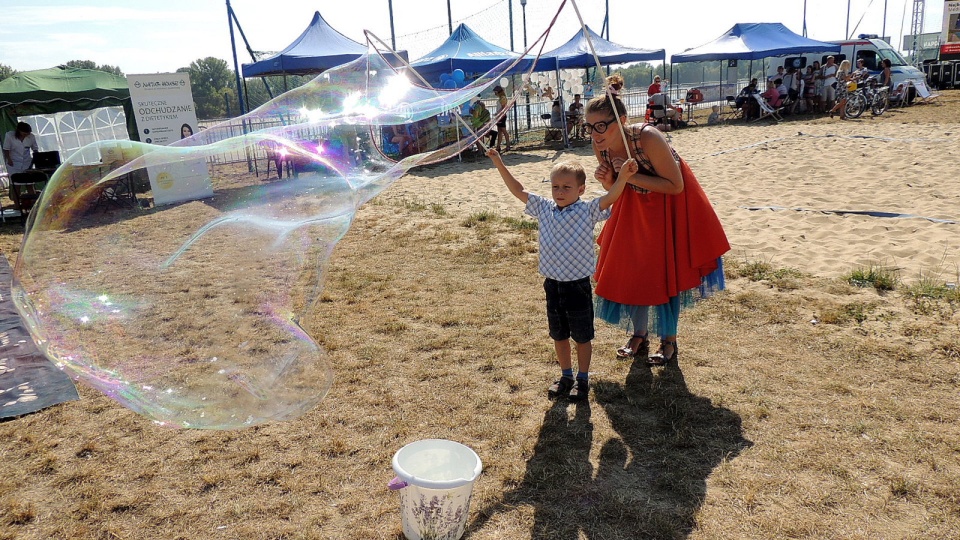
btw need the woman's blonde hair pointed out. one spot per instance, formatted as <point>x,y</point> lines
<point>615,80</point>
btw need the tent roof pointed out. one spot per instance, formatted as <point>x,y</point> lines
<point>62,89</point>
<point>465,50</point>
<point>753,41</point>
<point>576,52</point>
<point>61,83</point>
<point>318,48</point>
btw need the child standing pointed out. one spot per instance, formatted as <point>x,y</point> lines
<point>567,261</point>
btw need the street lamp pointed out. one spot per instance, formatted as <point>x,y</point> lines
<point>523,4</point>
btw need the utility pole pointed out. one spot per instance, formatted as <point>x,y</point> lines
<point>883,33</point>
<point>804,18</point>
<point>393,36</point>
<point>510,12</point>
<point>846,34</point>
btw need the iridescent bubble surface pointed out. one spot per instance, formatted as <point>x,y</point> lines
<point>179,280</point>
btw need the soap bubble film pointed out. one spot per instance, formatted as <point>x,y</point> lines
<point>179,279</point>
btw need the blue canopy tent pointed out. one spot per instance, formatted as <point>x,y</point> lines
<point>317,49</point>
<point>576,53</point>
<point>466,51</point>
<point>752,41</point>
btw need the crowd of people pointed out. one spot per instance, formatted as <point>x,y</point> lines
<point>815,89</point>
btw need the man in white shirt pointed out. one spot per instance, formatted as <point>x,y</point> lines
<point>18,148</point>
<point>829,74</point>
<point>779,74</point>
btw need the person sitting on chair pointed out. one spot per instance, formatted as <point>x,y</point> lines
<point>574,114</point>
<point>556,120</point>
<point>655,88</point>
<point>772,95</point>
<point>745,100</point>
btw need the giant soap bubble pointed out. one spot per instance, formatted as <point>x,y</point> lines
<point>179,280</point>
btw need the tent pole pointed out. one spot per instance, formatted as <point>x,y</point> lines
<point>236,72</point>
<point>236,64</point>
<point>250,50</point>
<point>720,75</point>
<point>563,110</point>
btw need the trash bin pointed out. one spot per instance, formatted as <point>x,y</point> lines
<point>435,480</point>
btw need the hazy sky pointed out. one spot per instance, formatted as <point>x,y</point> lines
<point>161,36</point>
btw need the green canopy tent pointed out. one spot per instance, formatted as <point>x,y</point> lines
<point>63,89</point>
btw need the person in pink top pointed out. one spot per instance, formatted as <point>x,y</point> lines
<point>772,95</point>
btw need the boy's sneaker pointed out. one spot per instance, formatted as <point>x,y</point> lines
<point>560,388</point>
<point>580,391</point>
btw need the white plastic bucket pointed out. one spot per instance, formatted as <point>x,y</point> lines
<point>435,479</point>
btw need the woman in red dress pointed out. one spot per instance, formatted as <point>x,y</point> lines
<point>662,245</point>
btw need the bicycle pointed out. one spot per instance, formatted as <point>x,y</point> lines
<point>867,94</point>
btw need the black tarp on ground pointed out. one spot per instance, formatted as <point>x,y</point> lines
<point>28,381</point>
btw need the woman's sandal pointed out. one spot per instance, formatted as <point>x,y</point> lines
<point>659,359</point>
<point>640,351</point>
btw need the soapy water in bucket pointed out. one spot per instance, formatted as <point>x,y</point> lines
<point>193,310</point>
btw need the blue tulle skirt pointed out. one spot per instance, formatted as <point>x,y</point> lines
<point>662,320</point>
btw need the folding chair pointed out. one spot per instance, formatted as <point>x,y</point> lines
<point>663,113</point>
<point>924,93</point>
<point>733,111</point>
<point>551,134</point>
<point>900,95</point>
<point>25,190</point>
<point>766,111</point>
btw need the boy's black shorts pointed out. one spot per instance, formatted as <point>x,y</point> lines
<point>570,309</point>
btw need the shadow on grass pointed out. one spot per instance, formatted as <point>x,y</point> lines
<point>649,482</point>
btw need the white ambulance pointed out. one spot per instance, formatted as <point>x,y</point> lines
<point>873,51</point>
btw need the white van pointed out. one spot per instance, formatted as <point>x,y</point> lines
<point>872,50</point>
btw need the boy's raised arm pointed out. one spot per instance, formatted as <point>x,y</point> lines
<point>628,169</point>
<point>513,185</point>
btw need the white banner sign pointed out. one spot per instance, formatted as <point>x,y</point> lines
<point>163,105</point>
<point>951,22</point>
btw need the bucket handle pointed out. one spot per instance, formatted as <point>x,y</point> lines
<point>396,484</point>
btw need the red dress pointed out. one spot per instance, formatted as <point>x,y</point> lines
<point>656,246</point>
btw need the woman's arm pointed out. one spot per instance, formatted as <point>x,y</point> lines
<point>658,151</point>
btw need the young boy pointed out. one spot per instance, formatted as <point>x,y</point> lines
<point>567,261</point>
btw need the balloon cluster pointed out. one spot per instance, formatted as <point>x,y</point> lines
<point>453,80</point>
<point>570,82</point>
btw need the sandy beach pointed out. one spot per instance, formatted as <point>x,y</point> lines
<point>902,163</point>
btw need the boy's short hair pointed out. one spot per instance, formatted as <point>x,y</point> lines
<point>570,167</point>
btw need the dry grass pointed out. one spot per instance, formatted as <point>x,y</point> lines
<point>773,427</point>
